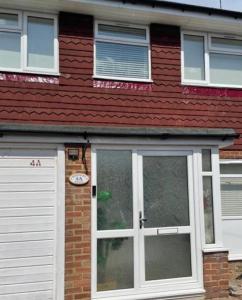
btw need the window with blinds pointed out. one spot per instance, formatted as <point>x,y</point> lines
<point>122,52</point>
<point>231,190</point>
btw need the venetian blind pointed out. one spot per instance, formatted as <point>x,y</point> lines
<point>231,194</point>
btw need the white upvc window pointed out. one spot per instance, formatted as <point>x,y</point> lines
<point>211,59</point>
<point>28,42</point>
<point>122,52</point>
<point>231,197</point>
<point>211,204</point>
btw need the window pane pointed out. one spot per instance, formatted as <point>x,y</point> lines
<point>235,45</point>
<point>166,200</point>
<point>114,190</point>
<point>208,209</point>
<point>119,60</point>
<point>10,50</point>
<point>231,193</point>
<point>231,169</point>
<point>115,264</point>
<point>167,256</point>
<point>226,69</point>
<point>122,32</point>
<point>194,66</point>
<point>206,160</point>
<point>8,20</point>
<point>40,43</point>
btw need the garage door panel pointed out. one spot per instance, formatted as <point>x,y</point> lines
<point>27,236</point>
<point>26,228</point>
<point>27,211</point>
<point>29,163</point>
<point>46,295</point>
<point>26,220</point>
<point>29,287</point>
<point>27,261</point>
<point>27,223</point>
<point>30,187</point>
<point>26,175</point>
<point>21,271</point>
<point>27,199</point>
<point>29,278</point>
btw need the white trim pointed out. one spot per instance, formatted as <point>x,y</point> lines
<point>60,261</point>
<point>123,41</point>
<point>22,28</point>
<point>208,49</point>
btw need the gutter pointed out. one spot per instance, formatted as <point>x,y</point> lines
<point>130,132</point>
<point>183,7</point>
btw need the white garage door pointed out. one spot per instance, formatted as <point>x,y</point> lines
<point>27,224</point>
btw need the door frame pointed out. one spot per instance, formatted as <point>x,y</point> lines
<point>194,287</point>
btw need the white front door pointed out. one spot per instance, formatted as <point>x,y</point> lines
<point>144,224</point>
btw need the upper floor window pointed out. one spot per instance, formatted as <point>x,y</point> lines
<point>28,42</point>
<point>122,52</point>
<point>211,59</point>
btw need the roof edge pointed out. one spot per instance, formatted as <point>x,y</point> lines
<point>104,131</point>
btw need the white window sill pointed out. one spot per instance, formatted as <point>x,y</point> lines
<point>30,72</point>
<point>209,85</point>
<point>215,250</point>
<point>235,257</point>
<point>123,79</point>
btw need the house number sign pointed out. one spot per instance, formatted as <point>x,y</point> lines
<point>79,179</point>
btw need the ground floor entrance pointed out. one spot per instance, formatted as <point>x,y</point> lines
<point>145,237</point>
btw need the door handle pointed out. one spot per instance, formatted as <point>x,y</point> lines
<point>142,220</point>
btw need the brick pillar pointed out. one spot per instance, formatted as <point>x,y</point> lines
<point>78,233</point>
<point>216,275</point>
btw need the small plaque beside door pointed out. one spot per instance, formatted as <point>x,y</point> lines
<point>79,179</point>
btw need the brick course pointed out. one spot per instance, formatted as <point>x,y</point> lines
<point>78,233</point>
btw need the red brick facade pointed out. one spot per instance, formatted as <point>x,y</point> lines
<point>77,233</point>
<point>77,100</point>
<point>216,275</point>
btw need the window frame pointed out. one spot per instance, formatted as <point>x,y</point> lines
<point>208,49</point>
<point>22,29</point>
<point>124,41</point>
<point>217,209</point>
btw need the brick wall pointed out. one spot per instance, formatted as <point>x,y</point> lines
<point>235,269</point>
<point>78,233</point>
<point>216,275</point>
<point>226,154</point>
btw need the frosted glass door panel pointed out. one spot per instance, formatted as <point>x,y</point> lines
<point>167,256</point>
<point>115,264</point>
<point>166,200</point>
<point>114,190</point>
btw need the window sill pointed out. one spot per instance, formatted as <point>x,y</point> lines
<point>209,85</point>
<point>123,79</point>
<point>215,250</point>
<point>30,72</point>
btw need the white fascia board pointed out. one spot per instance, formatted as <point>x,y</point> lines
<point>140,14</point>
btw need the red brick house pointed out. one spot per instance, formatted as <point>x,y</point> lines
<point>120,150</point>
